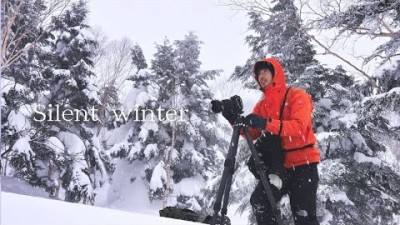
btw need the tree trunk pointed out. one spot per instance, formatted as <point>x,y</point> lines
<point>167,165</point>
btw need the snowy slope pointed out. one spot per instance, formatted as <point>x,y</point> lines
<point>18,197</point>
<point>23,209</point>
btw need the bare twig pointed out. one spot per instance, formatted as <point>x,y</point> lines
<point>9,53</point>
<point>363,73</point>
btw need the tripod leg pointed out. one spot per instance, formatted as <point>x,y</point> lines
<point>226,179</point>
<point>228,184</point>
<point>263,175</point>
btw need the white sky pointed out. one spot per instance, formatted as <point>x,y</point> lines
<point>221,30</point>
<point>147,22</point>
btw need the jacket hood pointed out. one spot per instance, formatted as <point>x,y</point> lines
<point>279,79</point>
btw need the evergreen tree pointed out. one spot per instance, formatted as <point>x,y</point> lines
<point>353,164</point>
<point>20,83</point>
<point>365,154</point>
<point>71,86</point>
<point>355,135</point>
<point>190,145</point>
<point>176,150</point>
<point>62,151</point>
<point>138,58</point>
<point>281,35</point>
<point>374,20</point>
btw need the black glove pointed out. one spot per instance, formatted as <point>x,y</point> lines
<point>256,121</point>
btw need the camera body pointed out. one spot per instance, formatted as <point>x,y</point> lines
<point>231,106</point>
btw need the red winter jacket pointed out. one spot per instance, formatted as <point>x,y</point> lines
<point>297,134</point>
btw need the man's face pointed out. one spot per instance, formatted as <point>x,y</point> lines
<point>265,78</point>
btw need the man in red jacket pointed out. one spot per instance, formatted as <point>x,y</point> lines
<point>298,143</point>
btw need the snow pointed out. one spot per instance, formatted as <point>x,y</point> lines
<point>76,149</point>
<point>325,103</point>
<point>61,72</point>
<point>55,144</point>
<point>143,134</point>
<point>91,90</point>
<point>150,149</point>
<point>142,73</point>
<point>189,186</point>
<point>361,158</point>
<point>334,194</point>
<point>159,175</point>
<point>120,134</point>
<point>275,180</point>
<point>339,87</point>
<point>388,157</point>
<point>349,119</point>
<point>46,211</point>
<point>379,71</point>
<point>142,98</point>
<point>130,99</point>
<point>150,125</point>
<point>393,119</point>
<point>12,184</point>
<point>135,98</point>
<point>18,121</point>
<point>117,147</point>
<point>135,150</point>
<point>87,34</point>
<point>340,196</point>
<point>325,135</point>
<point>22,146</point>
<point>383,95</point>
<point>72,143</point>
<point>60,47</point>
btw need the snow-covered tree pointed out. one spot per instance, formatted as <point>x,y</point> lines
<point>365,150</point>
<point>71,86</point>
<point>354,133</point>
<point>376,21</point>
<point>278,32</point>
<point>63,152</point>
<point>138,58</point>
<point>175,150</point>
<point>21,80</point>
<point>191,144</point>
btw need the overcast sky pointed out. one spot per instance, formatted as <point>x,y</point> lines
<point>147,22</point>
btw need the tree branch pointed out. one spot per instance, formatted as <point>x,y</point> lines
<point>346,61</point>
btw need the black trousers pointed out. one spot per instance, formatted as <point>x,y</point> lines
<point>301,185</point>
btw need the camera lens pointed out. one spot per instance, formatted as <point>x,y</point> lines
<point>232,106</point>
<point>216,106</point>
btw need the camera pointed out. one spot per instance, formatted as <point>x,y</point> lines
<point>231,106</point>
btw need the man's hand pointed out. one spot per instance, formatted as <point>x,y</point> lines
<point>256,121</point>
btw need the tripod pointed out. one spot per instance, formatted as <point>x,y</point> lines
<point>229,165</point>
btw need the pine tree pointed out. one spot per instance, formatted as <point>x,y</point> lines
<point>348,150</point>
<point>63,152</point>
<point>140,147</point>
<point>280,35</point>
<point>21,81</point>
<point>72,87</point>
<point>355,136</point>
<point>203,146</point>
<point>138,58</point>
<point>176,152</point>
<point>366,152</point>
